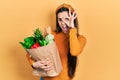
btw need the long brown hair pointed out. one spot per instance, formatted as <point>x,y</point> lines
<point>72,60</point>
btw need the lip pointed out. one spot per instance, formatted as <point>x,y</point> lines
<point>65,29</point>
<point>65,26</point>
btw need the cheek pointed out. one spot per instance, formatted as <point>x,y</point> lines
<point>59,23</point>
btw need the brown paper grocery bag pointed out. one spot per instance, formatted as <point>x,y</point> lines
<point>41,53</point>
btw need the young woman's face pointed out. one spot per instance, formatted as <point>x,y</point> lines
<point>62,18</point>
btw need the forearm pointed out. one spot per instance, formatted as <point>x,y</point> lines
<point>77,43</point>
<point>31,61</point>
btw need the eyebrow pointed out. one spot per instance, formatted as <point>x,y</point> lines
<point>64,18</point>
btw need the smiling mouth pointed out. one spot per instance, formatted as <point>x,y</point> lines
<point>65,26</point>
<point>65,29</point>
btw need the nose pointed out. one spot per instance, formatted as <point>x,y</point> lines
<point>62,22</point>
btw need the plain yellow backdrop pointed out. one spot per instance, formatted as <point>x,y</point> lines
<point>99,22</point>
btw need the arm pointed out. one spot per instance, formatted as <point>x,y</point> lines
<point>31,61</point>
<point>77,43</point>
<point>39,64</point>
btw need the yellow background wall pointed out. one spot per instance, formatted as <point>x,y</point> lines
<point>99,21</point>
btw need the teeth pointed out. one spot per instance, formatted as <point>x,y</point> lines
<point>64,26</point>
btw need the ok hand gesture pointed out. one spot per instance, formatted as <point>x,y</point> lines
<point>72,17</point>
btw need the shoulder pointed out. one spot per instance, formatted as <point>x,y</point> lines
<point>54,33</point>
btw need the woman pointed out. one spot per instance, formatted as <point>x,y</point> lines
<point>69,43</point>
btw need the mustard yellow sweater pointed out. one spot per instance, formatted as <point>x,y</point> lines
<point>77,44</point>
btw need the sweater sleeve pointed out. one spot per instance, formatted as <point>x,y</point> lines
<point>31,61</point>
<point>77,43</point>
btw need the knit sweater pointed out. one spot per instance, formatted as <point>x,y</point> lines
<point>77,44</point>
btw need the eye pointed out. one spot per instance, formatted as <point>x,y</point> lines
<point>59,19</point>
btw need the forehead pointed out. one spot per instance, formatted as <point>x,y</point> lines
<point>63,14</point>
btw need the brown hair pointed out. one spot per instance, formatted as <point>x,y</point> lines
<point>72,60</point>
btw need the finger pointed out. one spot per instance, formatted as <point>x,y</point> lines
<point>42,62</point>
<point>49,64</point>
<point>50,67</point>
<point>37,64</point>
<point>74,13</point>
<point>66,23</point>
<point>75,16</point>
<point>69,12</point>
<point>64,20</point>
<point>44,67</point>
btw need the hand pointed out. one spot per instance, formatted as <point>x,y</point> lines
<point>46,64</point>
<point>72,17</point>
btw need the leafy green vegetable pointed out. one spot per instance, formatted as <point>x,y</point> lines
<point>38,34</point>
<point>36,38</point>
<point>43,42</point>
<point>28,42</point>
<point>39,37</point>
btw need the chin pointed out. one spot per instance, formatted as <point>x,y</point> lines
<point>65,32</point>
